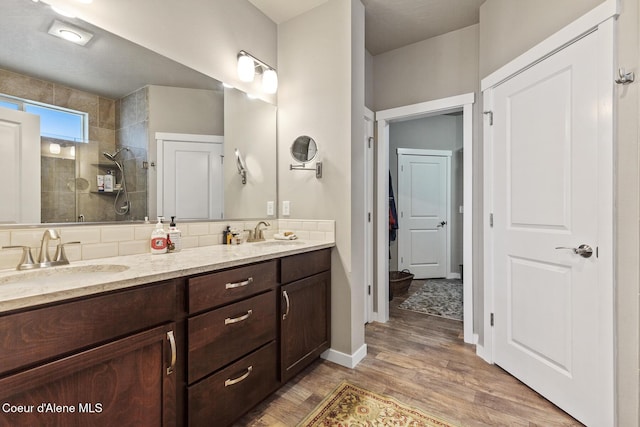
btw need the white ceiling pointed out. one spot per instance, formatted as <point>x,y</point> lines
<point>390,24</point>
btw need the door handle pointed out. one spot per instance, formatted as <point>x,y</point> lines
<point>583,250</point>
<point>442,224</point>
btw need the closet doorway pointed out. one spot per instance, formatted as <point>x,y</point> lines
<point>463,106</point>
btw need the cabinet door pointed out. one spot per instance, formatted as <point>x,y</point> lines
<point>128,382</point>
<point>305,322</point>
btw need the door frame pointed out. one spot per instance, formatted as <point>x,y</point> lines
<point>601,20</point>
<point>437,107</point>
<point>431,153</point>
<point>369,147</point>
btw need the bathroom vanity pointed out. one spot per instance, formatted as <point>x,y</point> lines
<point>198,344</point>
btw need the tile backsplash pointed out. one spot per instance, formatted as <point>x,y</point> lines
<point>104,241</point>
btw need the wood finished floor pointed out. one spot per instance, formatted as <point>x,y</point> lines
<point>422,361</point>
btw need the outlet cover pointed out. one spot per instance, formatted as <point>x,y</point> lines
<point>286,208</point>
<point>270,206</point>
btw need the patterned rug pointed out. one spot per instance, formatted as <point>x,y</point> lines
<point>352,406</point>
<point>437,297</point>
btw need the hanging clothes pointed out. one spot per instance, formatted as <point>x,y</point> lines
<point>393,214</point>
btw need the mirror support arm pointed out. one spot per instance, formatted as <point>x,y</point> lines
<point>302,167</point>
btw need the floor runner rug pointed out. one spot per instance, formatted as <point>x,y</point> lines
<point>437,297</point>
<point>349,405</point>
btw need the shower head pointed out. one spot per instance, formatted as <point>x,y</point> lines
<point>112,156</point>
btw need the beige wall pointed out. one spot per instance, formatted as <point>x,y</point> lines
<point>315,98</point>
<point>509,28</point>
<point>436,68</point>
<point>249,126</point>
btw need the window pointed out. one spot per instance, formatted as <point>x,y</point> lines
<point>55,122</point>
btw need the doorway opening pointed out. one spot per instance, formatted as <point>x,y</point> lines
<point>461,105</point>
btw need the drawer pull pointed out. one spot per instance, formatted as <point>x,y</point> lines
<point>239,284</point>
<point>241,378</point>
<point>231,320</point>
<point>172,342</point>
<point>286,299</point>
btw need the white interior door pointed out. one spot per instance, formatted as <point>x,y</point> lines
<point>19,167</point>
<point>423,201</point>
<point>550,320</point>
<point>190,177</point>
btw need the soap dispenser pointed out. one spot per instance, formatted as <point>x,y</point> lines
<point>175,235</point>
<point>159,239</point>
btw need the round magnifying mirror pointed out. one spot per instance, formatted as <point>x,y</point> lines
<point>304,149</point>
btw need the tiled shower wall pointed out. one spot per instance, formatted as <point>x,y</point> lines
<point>67,191</point>
<point>104,241</point>
<point>132,124</point>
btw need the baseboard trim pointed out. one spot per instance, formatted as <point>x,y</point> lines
<point>347,360</point>
<point>453,276</point>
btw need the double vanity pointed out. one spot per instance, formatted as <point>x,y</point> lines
<point>192,338</point>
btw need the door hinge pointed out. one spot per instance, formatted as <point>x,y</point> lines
<point>368,216</point>
<point>401,260</point>
<point>491,220</point>
<point>370,141</point>
<point>491,319</point>
<point>222,160</point>
<point>490,114</point>
<point>369,289</point>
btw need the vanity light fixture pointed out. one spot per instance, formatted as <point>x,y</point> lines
<point>70,32</point>
<point>249,66</point>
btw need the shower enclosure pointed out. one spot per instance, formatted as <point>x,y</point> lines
<point>69,185</point>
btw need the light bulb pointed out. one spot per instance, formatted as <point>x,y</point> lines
<point>269,81</point>
<point>246,68</point>
<point>72,36</point>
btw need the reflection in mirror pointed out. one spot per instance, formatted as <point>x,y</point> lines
<point>304,149</point>
<point>242,169</point>
<point>123,94</point>
<point>249,127</point>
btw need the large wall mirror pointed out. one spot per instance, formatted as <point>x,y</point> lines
<point>101,106</point>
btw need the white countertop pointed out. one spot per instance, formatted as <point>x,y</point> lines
<point>20,289</point>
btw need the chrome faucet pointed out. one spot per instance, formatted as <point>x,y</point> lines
<point>50,234</point>
<point>44,259</point>
<point>258,233</point>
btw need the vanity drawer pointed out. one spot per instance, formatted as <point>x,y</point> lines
<point>46,333</point>
<point>303,265</point>
<point>216,289</point>
<point>221,336</point>
<point>222,398</point>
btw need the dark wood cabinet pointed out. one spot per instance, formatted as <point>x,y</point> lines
<point>305,320</point>
<point>105,360</point>
<point>197,351</point>
<point>127,382</point>
<point>232,352</point>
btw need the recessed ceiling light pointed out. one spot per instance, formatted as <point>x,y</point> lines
<point>70,32</point>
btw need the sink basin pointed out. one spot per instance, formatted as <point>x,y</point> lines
<point>279,243</point>
<point>75,274</point>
